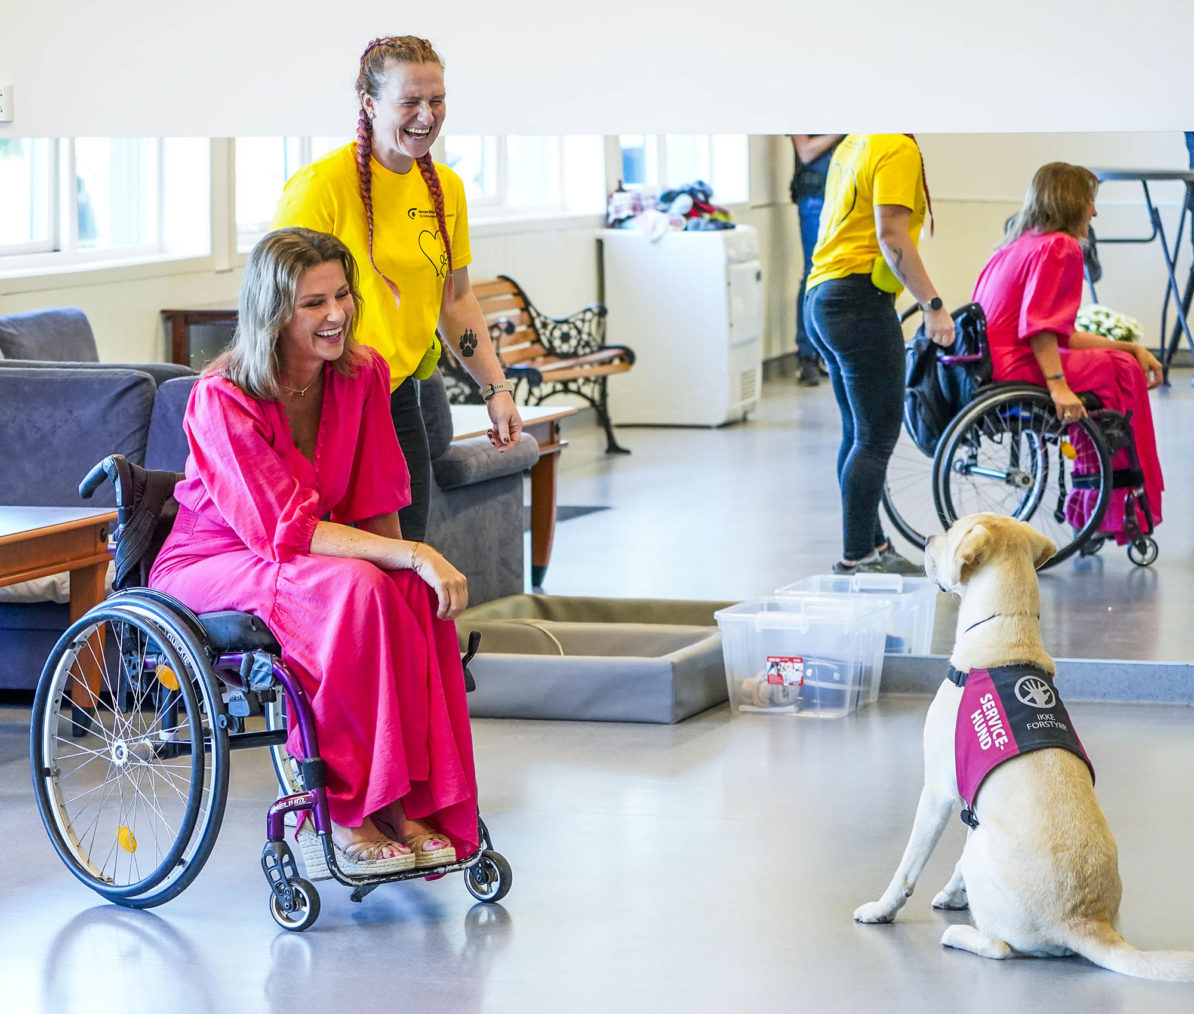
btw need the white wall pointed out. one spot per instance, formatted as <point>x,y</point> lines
<point>225,68</point>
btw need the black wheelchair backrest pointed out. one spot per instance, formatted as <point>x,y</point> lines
<point>145,512</point>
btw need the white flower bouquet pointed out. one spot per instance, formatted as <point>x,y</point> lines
<point>1102,320</point>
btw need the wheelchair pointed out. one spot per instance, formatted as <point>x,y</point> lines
<point>1005,451</point>
<point>135,715</point>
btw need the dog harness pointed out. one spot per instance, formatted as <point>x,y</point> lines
<point>1004,712</point>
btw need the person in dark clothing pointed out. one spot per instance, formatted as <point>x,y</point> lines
<point>813,154</point>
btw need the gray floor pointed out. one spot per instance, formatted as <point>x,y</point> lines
<point>709,866</point>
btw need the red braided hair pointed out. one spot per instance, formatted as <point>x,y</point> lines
<point>371,80</point>
<point>924,180</point>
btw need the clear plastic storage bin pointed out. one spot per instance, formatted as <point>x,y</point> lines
<point>913,604</point>
<point>816,656</point>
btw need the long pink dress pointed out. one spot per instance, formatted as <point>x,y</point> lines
<point>1034,284</point>
<point>382,673</point>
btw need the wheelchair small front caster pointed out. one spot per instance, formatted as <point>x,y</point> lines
<point>490,878</point>
<point>293,902</point>
<point>1143,552</point>
<point>304,910</point>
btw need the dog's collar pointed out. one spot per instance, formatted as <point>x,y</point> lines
<point>994,616</point>
<point>958,677</point>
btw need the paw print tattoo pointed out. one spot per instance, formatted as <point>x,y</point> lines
<point>468,342</point>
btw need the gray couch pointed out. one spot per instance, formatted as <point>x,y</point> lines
<point>57,419</point>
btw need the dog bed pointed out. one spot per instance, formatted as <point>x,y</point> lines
<point>592,659</point>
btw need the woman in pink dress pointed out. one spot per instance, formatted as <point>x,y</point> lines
<point>1030,291</point>
<point>291,443</point>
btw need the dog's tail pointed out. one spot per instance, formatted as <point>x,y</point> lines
<point>1098,942</point>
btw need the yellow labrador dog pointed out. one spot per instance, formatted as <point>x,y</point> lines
<point>1039,870</point>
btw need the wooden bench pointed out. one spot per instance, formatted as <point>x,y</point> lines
<point>546,356</point>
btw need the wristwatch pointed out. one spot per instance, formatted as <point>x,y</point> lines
<point>934,304</point>
<point>489,390</point>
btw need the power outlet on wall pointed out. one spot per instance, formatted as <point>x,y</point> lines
<point>5,103</point>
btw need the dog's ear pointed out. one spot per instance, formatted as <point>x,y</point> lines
<point>1041,548</point>
<point>971,549</point>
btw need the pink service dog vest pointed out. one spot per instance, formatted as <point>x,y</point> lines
<point>1006,711</point>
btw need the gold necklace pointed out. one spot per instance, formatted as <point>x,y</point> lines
<point>304,391</point>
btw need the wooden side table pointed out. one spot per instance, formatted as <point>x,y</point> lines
<point>39,541</point>
<point>179,323</point>
<point>543,423</point>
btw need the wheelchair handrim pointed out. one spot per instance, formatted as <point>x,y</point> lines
<point>47,775</point>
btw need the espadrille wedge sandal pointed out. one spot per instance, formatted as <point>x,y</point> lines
<point>362,858</point>
<point>429,857</point>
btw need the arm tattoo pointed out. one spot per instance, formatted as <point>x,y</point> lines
<point>468,342</point>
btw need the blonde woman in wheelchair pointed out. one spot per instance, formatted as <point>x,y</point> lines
<point>291,445</point>
<point>1030,291</point>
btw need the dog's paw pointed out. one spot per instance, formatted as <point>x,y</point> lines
<point>873,912</point>
<point>953,901</point>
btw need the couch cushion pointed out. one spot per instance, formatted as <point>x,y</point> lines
<point>475,459</point>
<point>437,413</point>
<point>166,447</point>
<point>56,424</point>
<point>161,372</point>
<point>60,334</point>
<point>52,588</point>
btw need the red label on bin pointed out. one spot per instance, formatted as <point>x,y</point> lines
<point>785,671</point>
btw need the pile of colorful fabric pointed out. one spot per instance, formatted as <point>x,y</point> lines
<point>688,208</point>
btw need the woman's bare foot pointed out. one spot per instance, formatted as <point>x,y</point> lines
<point>402,828</point>
<point>367,841</point>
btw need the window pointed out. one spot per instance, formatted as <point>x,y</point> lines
<point>474,160</point>
<point>93,198</point>
<point>263,165</point>
<point>528,173</point>
<point>115,194</point>
<point>671,160</point>
<point>26,226</point>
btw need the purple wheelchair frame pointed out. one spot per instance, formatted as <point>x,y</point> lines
<point>235,669</point>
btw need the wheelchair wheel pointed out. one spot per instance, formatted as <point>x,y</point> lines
<point>305,912</point>
<point>179,625</point>
<point>1143,552</point>
<point>490,878</point>
<point>908,492</point>
<point>1008,453</point>
<point>130,804</point>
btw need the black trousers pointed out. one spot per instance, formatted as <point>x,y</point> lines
<point>412,438</point>
<point>857,331</point>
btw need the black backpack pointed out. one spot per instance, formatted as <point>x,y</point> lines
<point>935,392</point>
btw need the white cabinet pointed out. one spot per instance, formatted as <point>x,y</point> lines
<point>690,305</point>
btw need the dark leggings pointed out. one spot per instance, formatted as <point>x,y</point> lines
<point>857,331</point>
<point>412,438</point>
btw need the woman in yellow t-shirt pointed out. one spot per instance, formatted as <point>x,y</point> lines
<point>875,201</point>
<point>412,228</point>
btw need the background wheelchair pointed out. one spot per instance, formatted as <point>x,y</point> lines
<point>1005,451</point>
<point>137,709</point>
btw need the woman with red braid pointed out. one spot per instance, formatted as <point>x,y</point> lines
<point>405,220</point>
<point>875,203</point>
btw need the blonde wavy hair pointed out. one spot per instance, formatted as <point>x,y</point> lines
<point>266,305</point>
<point>1057,200</point>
